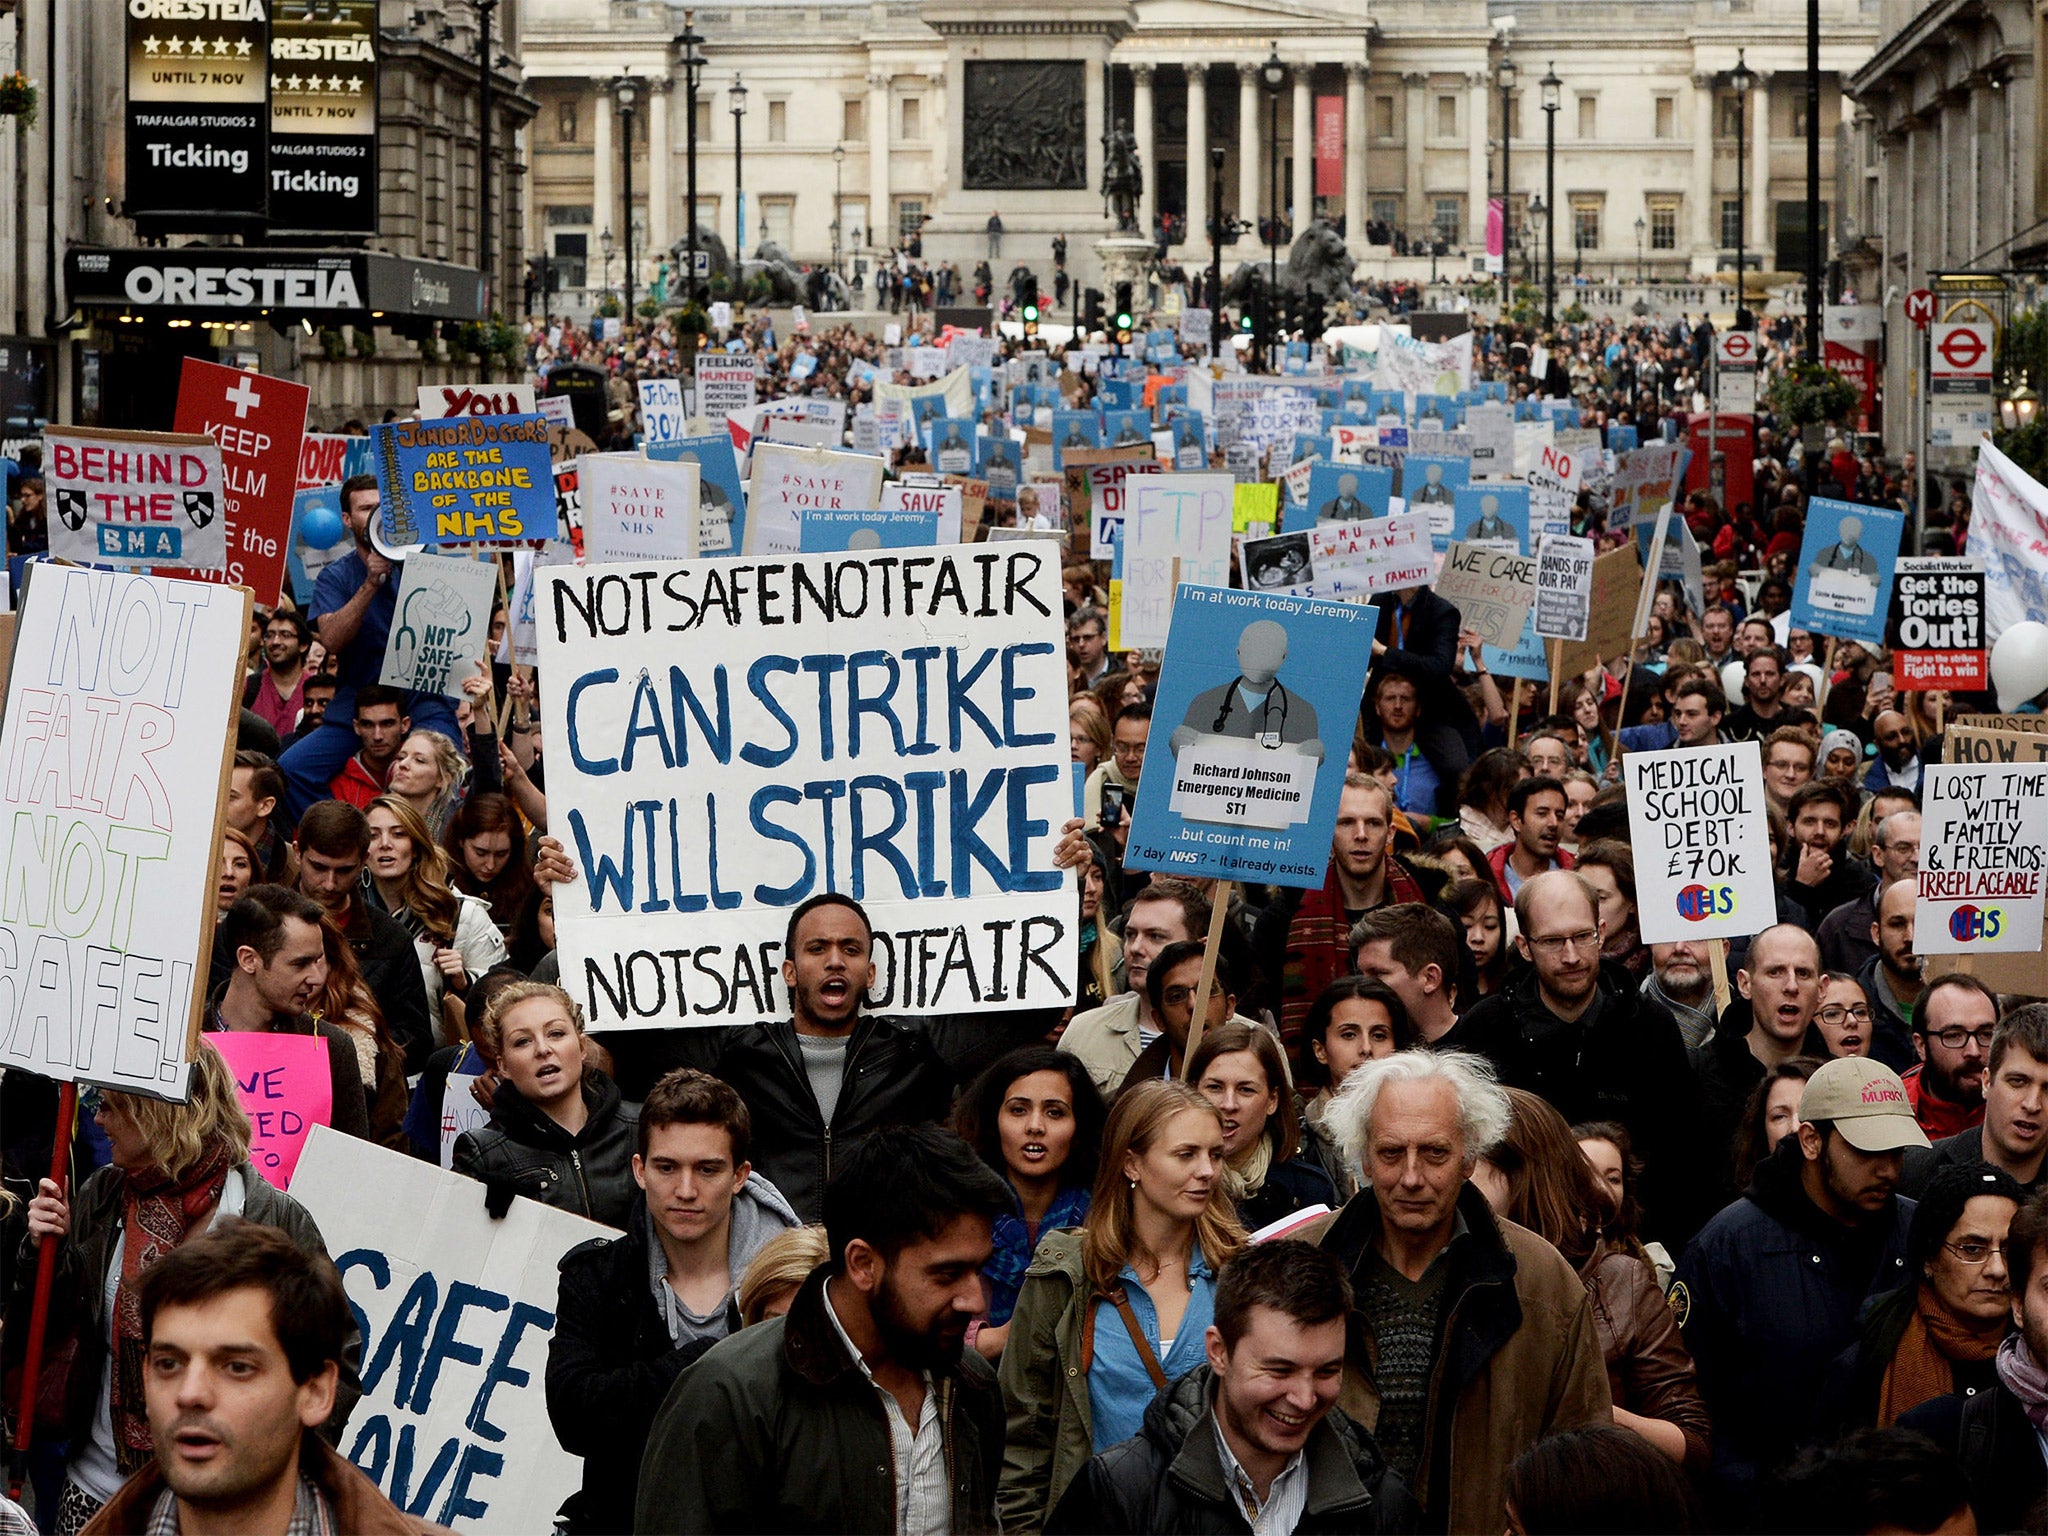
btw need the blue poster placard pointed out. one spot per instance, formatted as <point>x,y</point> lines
<point>721,498</point>
<point>1843,585</point>
<point>824,531</point>
<point>1258,694</point>
<point>1433,479</point>
<point>1127,429</point>
<point>1493,511</point>
<point>465,480</point>
<point>1349,493</point>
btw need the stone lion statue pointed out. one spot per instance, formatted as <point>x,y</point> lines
<point>1316,263</point>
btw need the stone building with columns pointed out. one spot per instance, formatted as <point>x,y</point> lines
<point>866,122</point>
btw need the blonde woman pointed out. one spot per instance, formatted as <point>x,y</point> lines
<point>177,1170</point>
<point>1112,1312</point>
<point>427,775</point>
<point>407,877</point>
<point>778,1272</point>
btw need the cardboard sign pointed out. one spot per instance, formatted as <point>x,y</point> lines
<point>442,624</point>
<point>463,1440</point>
<point>259,424</point>
<point>1564,587</point>
<point>789,481</point>
<point>466,480</point>
<point>119,726</point>
<point>1491,587</point>
<point>437,402</point>
<point>1846,566</point>
<point>1983,850</point>
<point>286,1087</point>
<point>1937,625</point>
<point>135,498</point>
<point>1257,697</point>
<point>1175,522</point>
<point>638,509</point>
<point>1965,744</point>
<point>780,749</point>
<point>1703,845</point>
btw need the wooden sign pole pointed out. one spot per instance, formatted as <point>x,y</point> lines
<point>1219,913</point>
<point>1556,658</point>
<point>1717,959</point>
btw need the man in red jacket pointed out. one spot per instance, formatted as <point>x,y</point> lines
<point>1536,808</point>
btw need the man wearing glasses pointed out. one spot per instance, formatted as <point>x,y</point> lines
<point>1588,1041</point>
<point>1952,1031</point>
<point>2014,1134</point>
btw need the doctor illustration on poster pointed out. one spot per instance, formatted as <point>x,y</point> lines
<point>1255,705</point>
<point>1844,580</point>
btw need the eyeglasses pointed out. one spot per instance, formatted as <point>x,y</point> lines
<point>1955,1037</point>
<point>1835,1014</point>
<point>1558,943</point>
<point>1973,1250</point>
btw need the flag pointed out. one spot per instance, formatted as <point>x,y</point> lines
<point>2009,533</point>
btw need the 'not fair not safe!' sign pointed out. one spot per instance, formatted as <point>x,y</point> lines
<point>1703,846</point>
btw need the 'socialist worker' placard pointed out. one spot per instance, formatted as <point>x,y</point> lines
<point>1251,733</point>
<point>1984,845</point>
<point>1703,846</point>
<point>734,736</point>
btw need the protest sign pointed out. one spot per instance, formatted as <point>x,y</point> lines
<point>662,417</point>
<point>2034,723</point>
<point>323,458</point>
<point>286,1087</point>
<point>730,785</point>
<point>260,424</point>
<point>1494,514</point>
<point>943,501</point>
<point>442,624</point>
<point>472,479</point>
<point>1617,581</point>
<point>1341,562</point>
<point>1195,325</point>
<point>135,498</point>
<point>1491,588</point>
<point>789,481</point>
<point>1257,697</point>
<point>1845,573</point>
<point>1983,849</point>
<point>465,1440</point>
<point>1703,845</point>
<point>824,532</point>
<point>1492,430</point>
<point>1175,523</point>
<point>725,387</point>
<point>1937,625</point>
<point>1347,493</point>
<point>1977,744</point>
<point>721,498</point>
<point>1096,484</point>
<point>1280,562</point>
<point>117,738</point>
<point>437,402</point>
<point>1254,506</point>
<point>1564,587</point>
<point>638,509</point>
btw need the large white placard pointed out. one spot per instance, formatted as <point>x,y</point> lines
<point>456,1311</point>
<point>730,737</point>
<point>120,712</point>
<point>135,498</point>
<point>1703,845</point>
<point>638,509</point>
<point>789,481</point>
<point>1564,587</point>
<point>1169,519</point>
<point>1983,848</point>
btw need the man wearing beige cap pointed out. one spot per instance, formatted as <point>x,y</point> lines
<point>1769,1292</point>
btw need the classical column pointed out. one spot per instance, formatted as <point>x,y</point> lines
<point>1141,133</point>
<point>1944,244</point>
<point>1478,98</point>
<point>604,208</point>
<point>938,132</point>
<point>1759,189</point>
<point>1357,191</point>
<point>1303,192</point>
<point>881,217</point>
<point>1251,149</point>
<point>1198,156</point>
<point>1976,90</point>
<point>1705,236</point>
<point>1416,215</point>
<point>658,230</point>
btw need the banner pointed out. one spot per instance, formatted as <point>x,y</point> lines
<point>323,117</point>
<point>120,720</point>
<point>135,498</point>
<point>1564,587</point>
<point>891,726</point>
<point>1846,565</point>
<point>1937,625</point>
<point>1258,695</point>
<point>1703,845</point>
<point>1176,524</point>
<point>955,393</point>
<point>1329,146</point>
<point>260,424</point>
<point>456,1311</point>
<point>286,1086</point>
<point>465,480</point>
<point>2009,532</point>
<point>789,481</point>
<point>442,624</point>
<point>198,114</point>
<point>1491,588</point>
<point>638,509</point>
<point>1984,845</point>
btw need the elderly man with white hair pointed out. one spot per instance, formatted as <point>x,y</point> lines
<point>1474,1338</point>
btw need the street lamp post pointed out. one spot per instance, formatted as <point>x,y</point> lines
<point>606,245</point>
<point>1504,75</point>
<point>627,93</point>
<point>689,49</point>
<point>1813,251</point>
<point>1551,86</point>
<point>1274,73</point>
<point>1742,79</point>
<point>1216,156</point>
<point>483,148</point>
<point>1639,250</point>
<point>737,99</point>
<point>838,174</point>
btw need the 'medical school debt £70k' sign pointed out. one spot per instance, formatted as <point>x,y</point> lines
<point>731,737</point>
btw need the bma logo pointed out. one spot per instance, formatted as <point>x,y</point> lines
<point>1697,903</point>
<point>1967,923</point>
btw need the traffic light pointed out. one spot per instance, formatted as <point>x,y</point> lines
<point>1123,314</point>
<point>1091,310</point>
<point>1313,316</point>
<point>1030,321</point>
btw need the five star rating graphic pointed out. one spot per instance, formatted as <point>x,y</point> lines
<point>198,47</point>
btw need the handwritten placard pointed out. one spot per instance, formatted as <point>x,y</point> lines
<point>286,1088</point>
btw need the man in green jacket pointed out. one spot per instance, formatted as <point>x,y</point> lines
<point>859,1411</point>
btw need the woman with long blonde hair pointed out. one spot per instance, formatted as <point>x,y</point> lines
<point>1110,1314</point>
<point>427,775</point>
<point>407,877</point>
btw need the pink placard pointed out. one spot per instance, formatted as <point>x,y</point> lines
<point>286,1088</point>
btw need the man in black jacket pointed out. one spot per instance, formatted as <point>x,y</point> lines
<point>1586,1039</point>
<point>1255,1437</point>
<point>1418,639</point>
<point>2014,1135</point>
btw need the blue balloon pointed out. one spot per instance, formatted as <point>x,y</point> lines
<point>320,527</point>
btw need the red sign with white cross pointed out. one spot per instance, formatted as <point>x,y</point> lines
<point>1920,307</point>
<point>259,423</point>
